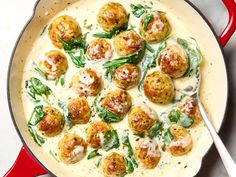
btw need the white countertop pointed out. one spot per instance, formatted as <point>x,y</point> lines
<point>13,16</point>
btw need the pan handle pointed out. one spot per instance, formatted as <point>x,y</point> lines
<point>231,26</point>
<point>25,165</point>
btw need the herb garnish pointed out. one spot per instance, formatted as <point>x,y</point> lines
<point>93,154</point>
<point>149,62</point>
<point>146,20</point>
<point>66,113</point>
<point>112,65</point>
<point>76,49</point>
<point>111,140</point>
<point>35,88</point>
<point>138,10</point>
<point>39,71</point>
<point>129,160</point>
<point>104,113</point>
<point>36,116</point>
<point>194,56</point>
<point>180,118</point>
<point>156,130</point>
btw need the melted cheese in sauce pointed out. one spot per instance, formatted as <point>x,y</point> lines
<point>88,9</point>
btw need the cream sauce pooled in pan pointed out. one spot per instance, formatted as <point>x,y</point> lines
<point>85,12</point>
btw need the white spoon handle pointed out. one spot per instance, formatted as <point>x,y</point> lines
<point>224,154</point>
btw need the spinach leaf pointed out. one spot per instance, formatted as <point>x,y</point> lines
<point>66,113</point>
<point>112,65</point>
<point>62,80</point>
<point>149,62</point>
<point>80,42</point>
<point>93,154</point>
<point>37,138</point>
<point>168,137</point>
<point>105,114</point>
<point>138,10</point>
<point>180,118</point>
<point>111,140</point>
<point>39,71</point>
<point>129,160</point>
<point>194,56</point>
<point>146,20</point>
<point>36,88</point>
<point>36,116</point>
<point>78,59</point>
<point>155,130</point>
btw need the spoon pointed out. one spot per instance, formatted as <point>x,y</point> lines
<point>227,160</point>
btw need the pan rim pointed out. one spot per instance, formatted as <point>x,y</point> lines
<point>13,54</point>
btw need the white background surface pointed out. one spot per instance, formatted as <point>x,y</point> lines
<point>13,16</point>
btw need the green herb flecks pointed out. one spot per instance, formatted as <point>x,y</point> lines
<point>138,10</point>
<point>111,66</point>
<point>105,114</point>
<point>87,26</point>
<point>66,113</point>
<point>149,62</point>
<point>36,116</point>
<point>155,130</point>
<point>39,71</point>
<point>130,161</point>
<point>93,154</point>
<point>111,140</point>
<point>182,119</point>
<point>37,138</point>
<point>146,20</point>
<point>194,56</point>
<point>35,88</point>
<point>44,29</point>
<point>53,154</point>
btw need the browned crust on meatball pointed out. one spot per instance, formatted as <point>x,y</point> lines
<point>128,42</point>
<point>158,28</point>
<point>173,61</point>
<point>79,110</point>
<point>112,16</point>
<point>66,147</point>
<point>93,133</point>
<point>99,49</point>
<point>149,159</point>
<point>126,76</point>
<point>158,88</point>
<point>139,121</point>
<point>52,122</point>
<point>189,107</point>
<point>179,133</point>
<point>113,165</point>
<point>54,64</point>
<point>63,27</point>
<point>117,101</point>
<point>86,82</point>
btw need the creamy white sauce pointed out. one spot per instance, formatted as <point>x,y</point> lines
<point>88,9</point>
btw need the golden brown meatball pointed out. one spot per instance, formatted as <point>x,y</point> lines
<point>63,27</point>
<point>99,49</point>
<point>72,148</point>
<point>128,42</point>
<point>112,16</point>
<point>157,29</point>
<point>158,88</point>
<point>95,133</point>
<point>173,61</point>
<point>189,107</point>
<point>182,141</point>
<point>148,153</point>
<point>52,122</point>
<point>126,76</point>
<point>54,64</point>
<point>79,110</point>
<point>86,82</point>
<point>113,165</point>
<point>141,119</point>
<point>117,101</point>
